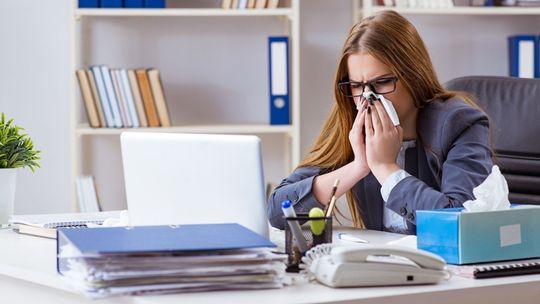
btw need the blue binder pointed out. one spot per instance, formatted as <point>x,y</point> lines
<point>88,3</point>
<point>523,56</point>
<point>111,3</point>
<point>278,67</point>
<point>133,3</point>
<point>154,3</point>
<point>161,239</point>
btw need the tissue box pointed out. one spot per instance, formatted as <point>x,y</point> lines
<point>475,237</point>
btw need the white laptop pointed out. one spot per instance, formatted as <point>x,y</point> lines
<point>174,178</point>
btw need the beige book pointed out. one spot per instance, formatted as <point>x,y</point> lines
<point>137,98</point>
<point>88,99</point>
<point>95,95</point>
<point>260,4</point>
<point>159,97</point>
<point>36,231</point>
<point>226,4</point>
<point>234,4</point>
<point>272,4</point>
<point>147,98</point>
<point>251,4</point>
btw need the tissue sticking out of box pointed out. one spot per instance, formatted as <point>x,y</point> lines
<point>491,194</point>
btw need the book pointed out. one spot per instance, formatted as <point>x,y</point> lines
<point>260,4</point>
<point>272,4</point>
<point>147,97</point>
<point>226,4</point>
<point>95,95</point>
<point>128,97</point>
<point>103,98</point>
<point>136,93</point>
<point>499,269</point>
<point>88,98</point>
<point>45,225</point>
<point>159,97</point>
<point>122,106</point>
<point>111,96</point>
<point>87,194</point>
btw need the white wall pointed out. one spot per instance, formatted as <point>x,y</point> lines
<point>35,91</point>
<point>35,76</point>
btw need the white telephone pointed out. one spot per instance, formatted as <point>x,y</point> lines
<point>378,265</point>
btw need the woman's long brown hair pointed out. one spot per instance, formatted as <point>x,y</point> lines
<point>394,41</point>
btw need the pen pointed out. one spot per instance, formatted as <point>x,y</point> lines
<point>288,210</point>
<point>332,202</point>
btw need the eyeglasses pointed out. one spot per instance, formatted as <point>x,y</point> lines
<point>383,85</point>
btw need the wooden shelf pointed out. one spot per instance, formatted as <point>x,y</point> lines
<point>174,12</point>
<point>463,10</point>
<point>226,129</point>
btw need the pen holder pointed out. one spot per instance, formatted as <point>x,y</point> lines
<point>292,249</point>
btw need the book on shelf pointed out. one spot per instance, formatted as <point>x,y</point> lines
<point>136,93</point>
<point>234,4</point>
<point>128,97</point>
<point>260,4</point>
<point>147,97</point>
<point>242,4</point>
<point>95,95</point>
<point>272,4</point>
<point>119,97</point>
<point>86,194</point>
<point>159,97</point>
<point>226,4</point>
<point>250,4</point>
<point>45,225</point>
<point>111,95</point>
<point>88,99</point>
<point>104,99</point>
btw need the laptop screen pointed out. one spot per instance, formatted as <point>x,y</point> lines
<point>176,178</point>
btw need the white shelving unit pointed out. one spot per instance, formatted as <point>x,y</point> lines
<point>288,16</point>
<point>366,8</point>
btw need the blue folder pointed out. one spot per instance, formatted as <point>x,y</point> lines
<point>278,69</point>
<point>523,56</point>
<point>161,239</point>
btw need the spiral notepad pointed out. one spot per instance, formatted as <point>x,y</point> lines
<point>510,269</point>
<point>58,220</point>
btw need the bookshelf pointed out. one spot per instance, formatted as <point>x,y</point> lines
<point>191,108</point>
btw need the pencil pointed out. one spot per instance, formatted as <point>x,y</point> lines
<point>332,199</point>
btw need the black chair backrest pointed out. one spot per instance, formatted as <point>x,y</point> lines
<point>513,106</point>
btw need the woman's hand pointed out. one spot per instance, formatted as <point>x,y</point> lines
<point>357,140</point>
<point>383,141</point>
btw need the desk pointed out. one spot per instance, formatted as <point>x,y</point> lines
<point>28,275</point>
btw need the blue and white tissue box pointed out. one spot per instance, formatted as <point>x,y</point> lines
<point>476,237</point>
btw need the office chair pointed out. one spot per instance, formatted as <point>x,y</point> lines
<point>513,106</point>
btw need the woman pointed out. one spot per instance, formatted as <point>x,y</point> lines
<point>433,159</point>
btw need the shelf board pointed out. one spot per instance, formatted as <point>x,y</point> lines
<point>226,129</point>
<point>125,12</point>
<point>463,10</point>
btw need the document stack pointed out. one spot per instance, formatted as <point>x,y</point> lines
<point>104,262</point>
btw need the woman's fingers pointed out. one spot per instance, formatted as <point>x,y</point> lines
<point>386,122</point>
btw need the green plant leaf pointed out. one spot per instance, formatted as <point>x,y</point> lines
<point>16,148</point>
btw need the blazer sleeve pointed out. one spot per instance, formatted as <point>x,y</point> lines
<point>464,135</point>
<point>297,188</point>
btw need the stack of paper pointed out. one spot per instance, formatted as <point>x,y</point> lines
<point>102,262</point>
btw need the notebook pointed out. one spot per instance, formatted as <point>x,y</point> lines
<point>499,269</point>
<point>45,224</point>
<point>194,179</point>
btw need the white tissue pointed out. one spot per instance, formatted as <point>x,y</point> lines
<point>387,104</point>
<point>122,221</point>
<point>491,194</point>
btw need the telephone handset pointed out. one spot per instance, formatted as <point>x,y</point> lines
<point>378,265</point>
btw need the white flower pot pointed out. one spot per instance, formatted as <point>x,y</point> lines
<point>7,195</point>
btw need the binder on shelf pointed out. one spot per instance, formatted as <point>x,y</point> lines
<point>95,95</point>
<point>88,3</point>
<point>104,99</point>
<point>111,95</point>
<point>523,56</point>
<point>278,67</point>
<point>88,99</point>
<point>133,3</point>
<point>111,3</point>
<point>154,3</point>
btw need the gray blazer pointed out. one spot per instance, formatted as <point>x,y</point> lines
<point>453,157</point>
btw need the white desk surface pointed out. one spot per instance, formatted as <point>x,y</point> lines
<point>28,275</point>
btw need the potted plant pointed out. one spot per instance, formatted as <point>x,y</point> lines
<point>16,151</point>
